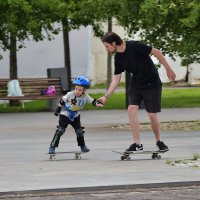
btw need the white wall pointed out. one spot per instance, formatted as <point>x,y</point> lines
<point>34,60</point>
<point>80,47</point>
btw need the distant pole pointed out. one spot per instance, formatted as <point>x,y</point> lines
<point>67,53</point>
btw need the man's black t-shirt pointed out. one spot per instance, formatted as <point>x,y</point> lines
<point>136,60</point>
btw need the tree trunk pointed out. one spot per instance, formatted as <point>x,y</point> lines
<point>13,57</point>
<point>187,74</point>
<point>67,52</point>
<point>13,65</point>
<point>109,58</point>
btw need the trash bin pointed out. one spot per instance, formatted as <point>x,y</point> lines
<point>62,74</point>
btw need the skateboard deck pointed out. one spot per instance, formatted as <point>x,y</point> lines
<point>126,155</point>
<point>77,154</point>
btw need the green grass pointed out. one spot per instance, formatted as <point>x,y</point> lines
<point>116,101</point>
<point>30,106</point>
<point>181,98</point>
<point>103,85</point>
<point>171,98</point>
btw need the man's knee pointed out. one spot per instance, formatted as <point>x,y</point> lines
<point>133,108</point>
<point>153,116</point>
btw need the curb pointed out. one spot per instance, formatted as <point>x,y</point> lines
<point>96,189</point>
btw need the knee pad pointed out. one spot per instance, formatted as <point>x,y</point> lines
<point>79,132</point>
<point>60,130</point>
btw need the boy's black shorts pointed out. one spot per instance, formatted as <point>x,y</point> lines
<point>151,96</point>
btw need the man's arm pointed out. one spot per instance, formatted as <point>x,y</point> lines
<point>170,73</point>
<point>115,82</point>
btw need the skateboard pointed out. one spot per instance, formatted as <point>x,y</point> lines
<point>77,154</point>
<point>126,155</point>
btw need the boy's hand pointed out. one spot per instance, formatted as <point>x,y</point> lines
<point>57,112</point>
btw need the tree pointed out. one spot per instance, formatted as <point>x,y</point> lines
<point>76,14</point>
<point>172,26</point>
<point>83,13</point>
<point>21,19</point>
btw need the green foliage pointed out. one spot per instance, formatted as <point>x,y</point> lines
<point>175,26</point>
<point>23,19</point>
<point>172,26</point>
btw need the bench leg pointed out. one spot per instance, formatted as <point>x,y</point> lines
<point>22,104</point>
<point>4,103</point>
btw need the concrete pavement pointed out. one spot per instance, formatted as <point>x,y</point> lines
<point>25,137</point>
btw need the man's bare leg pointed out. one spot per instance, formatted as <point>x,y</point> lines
<point>155,125</point>
<point>134,123</point>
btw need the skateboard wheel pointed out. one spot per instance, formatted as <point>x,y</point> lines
<point>52,157</point>
<point>154,156</point>
<point>77,156</point>
<point>122,157</point>
<point>128,158</point>
<point>158,157</point>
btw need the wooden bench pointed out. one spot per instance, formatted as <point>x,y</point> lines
<point>31,89</point>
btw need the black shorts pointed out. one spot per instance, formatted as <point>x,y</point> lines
<point>151,96</point>
<point>64,122</point>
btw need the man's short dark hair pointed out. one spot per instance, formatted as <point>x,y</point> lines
<point>111,37</point>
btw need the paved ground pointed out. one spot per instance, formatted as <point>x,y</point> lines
<point>24,140</point>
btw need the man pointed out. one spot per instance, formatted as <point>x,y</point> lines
<point>145,84</point>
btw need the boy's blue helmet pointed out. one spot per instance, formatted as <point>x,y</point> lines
<point>82,81</point>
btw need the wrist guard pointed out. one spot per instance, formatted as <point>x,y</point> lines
<point>94,102</point>
<point>58,109</point>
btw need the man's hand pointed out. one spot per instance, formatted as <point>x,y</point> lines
<point>99,104</point>
<point>171,75</point>
<point>102,99</point>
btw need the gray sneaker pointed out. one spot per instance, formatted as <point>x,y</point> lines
<point>84,149</point>
<point>51,150</point>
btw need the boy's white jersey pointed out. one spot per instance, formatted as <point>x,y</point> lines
<point>74,103</point>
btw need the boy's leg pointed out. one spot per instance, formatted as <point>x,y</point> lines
<point>56,138</point>
<point>63,123</point>
<point>76,124</point>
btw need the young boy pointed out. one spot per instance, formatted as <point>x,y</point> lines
<point>69,110</point>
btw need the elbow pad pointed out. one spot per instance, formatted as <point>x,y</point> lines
<point>61,102</point>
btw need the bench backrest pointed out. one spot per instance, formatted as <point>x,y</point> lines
<point>33,86</point>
